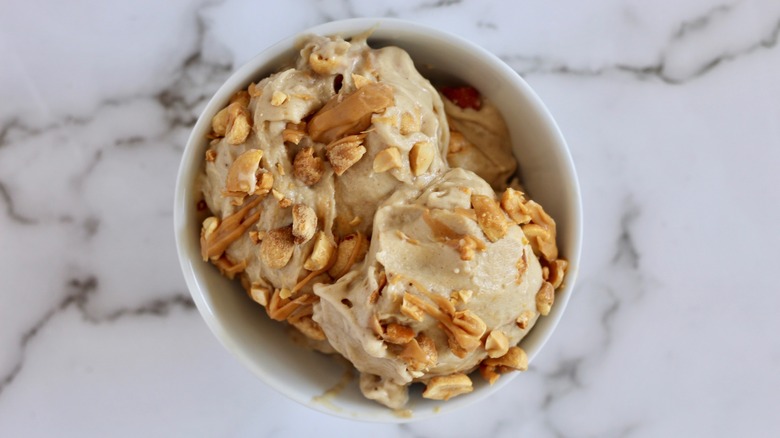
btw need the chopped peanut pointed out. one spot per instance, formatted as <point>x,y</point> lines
<point>304,223</point>
<point>278,98</point>
<point>242,173</point>
<point>419,353</point>
<point>496,344</point>
<point>323,250</point>
<point>446,387</point>
<point>387,159</point>
<point>490,217</point>
<point>345,152</point>
<point>398,334</point>
<point>351,249</point>
<point>307,167</point>
<point>545,298</point>
<point>421,157</point>
<point>277,247</point>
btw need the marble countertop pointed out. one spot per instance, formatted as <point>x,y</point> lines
<point>671,110</point>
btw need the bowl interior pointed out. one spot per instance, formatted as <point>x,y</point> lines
<point>264,346</point>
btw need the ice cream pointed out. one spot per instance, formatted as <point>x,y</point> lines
<point>433,274</point>
<point>355,204</point>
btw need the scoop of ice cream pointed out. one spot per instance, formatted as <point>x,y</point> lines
<point>300,161</point>
<point>479,141</point>
<point>445,282</point>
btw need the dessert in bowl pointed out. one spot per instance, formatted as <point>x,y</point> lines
<point>377,191</point>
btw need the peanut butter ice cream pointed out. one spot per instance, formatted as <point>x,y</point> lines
<point>355,205</point>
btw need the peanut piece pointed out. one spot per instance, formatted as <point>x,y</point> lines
<point>294,133</point>
<point>241,177</point>
<point>557,271</point>
<point>307,167</point>
<point>387,159</point>
<point>420,353</point>
<point>490,217</point>
<point>278,98</point>
<point>304,223</point>
<point>545,298</point>
<point>421,157</point>
<point>239,124</point>
<point>324,248</point>
<point>351,249</point>
<point>277,247</point>
<point>513,203</point>
<point>345,152</point>
<point>398,334</point>
<point>496,344</point>
<point>260,294</point>
<point>446,387</point>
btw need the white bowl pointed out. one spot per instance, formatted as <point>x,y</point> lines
<point>261,344</point>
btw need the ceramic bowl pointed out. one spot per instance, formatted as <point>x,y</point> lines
<point>263,345</point>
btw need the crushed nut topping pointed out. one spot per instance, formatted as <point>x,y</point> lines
<point>541,232</point>
<point>345,152</point>
<point>466,245</point>
<point>490,217</point>
<point>557,271</point>
<point>239,123</point>
<point>228,230</point>
<point>522,267</point>
<point>421,157</point>
<point>265,181</point>
<point>387,159</point>
<point>462,296</point>
<point>219,122</point>
<point>360,81</point>
<point>446,387</point>
<point>464,329</point>
<point>241,97</point>
<point>351,249</point>
<point>278,98</point>
<point>381,283</point>
<point>419,353</point>
<point>277,247</point>
<point>254,91</point>
<point>307,167</point>
<point>513,202</point>
<point>398,334</point>
<point>457,142</point>
<point>524,319</point>
<point>242,173</point>
<point>209,226</point>
<point>304,223</point>
<point>323,65</point>
<point>496,344</point>
<point>294,133</point>
<point>350,114</point>
<point>514,360</point>
<point>260,294</point>
<point>545,298</point>
<point>322,252</point>
<point>409,309</point>
<point>411,123</point>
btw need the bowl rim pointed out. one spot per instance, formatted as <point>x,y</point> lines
<point>247,72</point>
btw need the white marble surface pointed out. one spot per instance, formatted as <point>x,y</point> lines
<point>671,109</point>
